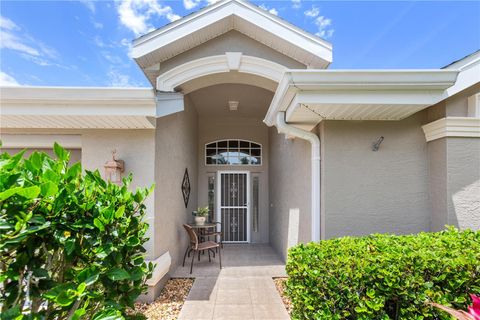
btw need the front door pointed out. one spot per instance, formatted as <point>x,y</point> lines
<point>233,205</point>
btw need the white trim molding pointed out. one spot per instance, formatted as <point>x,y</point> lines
<point>162,266</point>
<point>230,61</point>
<point>310,96</point>
<point>77,108</point>
<point>465,127</point>
<point>21,141</point>
<point>223,16</point>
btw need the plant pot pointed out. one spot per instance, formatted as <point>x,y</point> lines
<point>200,221</point>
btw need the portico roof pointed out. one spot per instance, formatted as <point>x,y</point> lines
<point>310,96</point>
<point>214,20</point>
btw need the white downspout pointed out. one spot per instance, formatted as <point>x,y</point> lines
<point>285,128</point>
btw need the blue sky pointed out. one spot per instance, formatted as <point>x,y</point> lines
<point>87,43</point>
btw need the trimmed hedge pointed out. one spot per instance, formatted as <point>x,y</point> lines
<point>384,276</point>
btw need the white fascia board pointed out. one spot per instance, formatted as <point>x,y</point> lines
<point>70,141</point>
<point>345,86</point>
<point>467,77</point>
<point>373,79</point>
<point>77,101</point>
<point>211,14</point>
<point>77,94</point>
<point>452,127</point>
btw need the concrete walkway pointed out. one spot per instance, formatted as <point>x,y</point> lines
<point>243,289</point>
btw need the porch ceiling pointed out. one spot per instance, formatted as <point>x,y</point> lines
<point>213,101</point>
<point>310,96</point>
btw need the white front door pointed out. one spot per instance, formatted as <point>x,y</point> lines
<point>233,205</point>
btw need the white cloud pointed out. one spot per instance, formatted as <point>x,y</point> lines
<point>190,4</point>
<point>13,38</point>
<point>118,79</point>
<point>89,4</point>
<point>313,12</point>
<point>135,14</point>
<point>272,10</point>
<point>97,25</point>
<point>7,80</point>
<point>324,27</point>
<point>11,41</point>
<point>212,1</point>
<point>99,42</point>
<point>8,24</point>
<point>296,4</point>
<point>112,58</point>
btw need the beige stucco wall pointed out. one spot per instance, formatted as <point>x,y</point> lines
<point>175,151</point>
<point>211,129</point>
<point>290,195</point>
<point>232,41</point>
<point>454,182</point>
<point>455,106</point>
<point>365,191</point>
<point>463,182</point>
<point>437,182</point>
<point>454,169</point>
<point>137,149</point>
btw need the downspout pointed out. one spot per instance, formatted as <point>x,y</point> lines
<point>287,129</point>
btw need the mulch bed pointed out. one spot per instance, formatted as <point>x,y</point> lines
<point>168,305</point>
<point>280,284</point>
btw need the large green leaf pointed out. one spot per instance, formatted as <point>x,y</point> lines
<point>29,192</point>
<point>118,274</point>
<point>60,152</point>
<point>48,189</point>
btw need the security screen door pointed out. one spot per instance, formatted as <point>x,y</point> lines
<point>233,205</point>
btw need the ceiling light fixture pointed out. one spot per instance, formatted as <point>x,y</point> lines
<point>233,105</point>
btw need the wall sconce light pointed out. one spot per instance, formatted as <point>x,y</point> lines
<point>114,169</point>
<point>376,144</point>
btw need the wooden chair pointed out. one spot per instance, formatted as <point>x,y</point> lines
<point>197,247</point>
<point>217,235</point>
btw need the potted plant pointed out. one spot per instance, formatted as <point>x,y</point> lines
<point>200,215</point>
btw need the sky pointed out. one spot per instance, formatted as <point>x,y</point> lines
<point>87,43</point>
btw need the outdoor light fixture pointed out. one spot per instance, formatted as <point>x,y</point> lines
<point>233,105</point>
<point>114,169</point>
<point>376,145</point>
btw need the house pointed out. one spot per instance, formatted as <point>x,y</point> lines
<point>245,117</point>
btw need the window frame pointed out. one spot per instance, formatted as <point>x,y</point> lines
<point>260,147</point>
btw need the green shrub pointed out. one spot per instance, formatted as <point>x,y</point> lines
<point>70,245</point>
<point>384,276</point>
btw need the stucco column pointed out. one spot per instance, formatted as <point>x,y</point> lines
<point>453,150</point>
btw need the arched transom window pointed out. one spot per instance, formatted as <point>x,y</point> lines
<point>233,152</point>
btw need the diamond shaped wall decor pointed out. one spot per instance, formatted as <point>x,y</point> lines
<point>186,188</point>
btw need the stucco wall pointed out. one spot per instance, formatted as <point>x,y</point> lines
<point>211,129</point>
<point>289,167</point>
<point>463,178</point>
<point>437,182</point>
<point>175,150</point>
<point>232,41</point>
<point>365,191</point>
<point>137,149</point>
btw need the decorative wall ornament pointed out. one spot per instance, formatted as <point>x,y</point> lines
<point>186,188</point>
<point>114,169</point>
<point>376,144</point>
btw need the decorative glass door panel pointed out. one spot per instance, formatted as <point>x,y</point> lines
<point>233,206</point>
